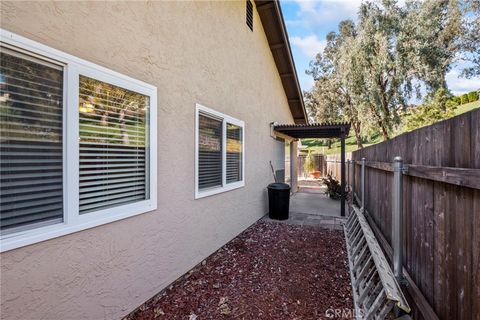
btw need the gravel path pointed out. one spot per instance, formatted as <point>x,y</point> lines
<point>270,271</point>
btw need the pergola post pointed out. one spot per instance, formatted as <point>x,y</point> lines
<point>342,174</point>
<point>293,166</point>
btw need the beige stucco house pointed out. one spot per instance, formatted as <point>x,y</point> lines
<point>135,142</point>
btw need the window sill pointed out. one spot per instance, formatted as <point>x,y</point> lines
<point>32,236</point>
<point>211,192</point>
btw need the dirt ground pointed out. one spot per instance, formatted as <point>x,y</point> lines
<point>270,271</point>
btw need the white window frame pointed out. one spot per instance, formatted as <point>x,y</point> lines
<point>72,220</point>
<point>225,119</point>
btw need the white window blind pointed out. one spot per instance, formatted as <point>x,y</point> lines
<point>31,145</point>
<point>113,145</point>
<point>210,152</point>
<point>234,153</point>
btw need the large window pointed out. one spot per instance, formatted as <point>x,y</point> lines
<point>75,147</point>
<point>31,142</point>
<point>219,152</point>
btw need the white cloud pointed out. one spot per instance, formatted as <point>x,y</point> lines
<point>461,85</point>
<point>316,13</point>
<point>306,82</point>
<point>305,5</point>
<point>309,45</point>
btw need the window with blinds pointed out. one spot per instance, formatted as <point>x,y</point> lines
<point>113,146</point>
<point>209,152</point>
<point>234,153</point>
<point>31,144</point>
<point>219,151</point>
<point>72,161</point>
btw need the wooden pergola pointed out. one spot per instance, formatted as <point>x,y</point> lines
<point>323,131</point>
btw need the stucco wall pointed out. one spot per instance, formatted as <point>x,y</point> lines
<point>195,52</point>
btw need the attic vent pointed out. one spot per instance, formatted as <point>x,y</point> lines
<point>250,14</point>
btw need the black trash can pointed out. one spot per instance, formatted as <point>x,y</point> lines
<point>278,200</point>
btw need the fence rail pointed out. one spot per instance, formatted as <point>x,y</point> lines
<point>464,177</point>
<point>441,213</point>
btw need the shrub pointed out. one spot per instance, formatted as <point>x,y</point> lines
<point>472,96</point>
<point>334,189</point>
<point>426,114</point>
<point>452,104</point>
<point>454,101</point>
<point>464,98</point>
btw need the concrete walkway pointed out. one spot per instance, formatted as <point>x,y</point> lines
<point>316,203</point>
<point>312,207</point>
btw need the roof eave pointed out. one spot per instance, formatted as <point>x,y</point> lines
<point>277,37</point>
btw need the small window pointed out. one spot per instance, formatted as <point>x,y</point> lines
<point>250,14</point>
<point>219,153</point>
<point>75,147</point>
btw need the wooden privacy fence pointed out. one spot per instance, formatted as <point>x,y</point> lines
<point>325,164</point>
<point>320,164</point>
<point>441,213</point>
<point>334,166</point>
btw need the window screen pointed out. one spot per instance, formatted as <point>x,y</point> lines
<point>209,152</point>
<point>234,153</point>
<point>113,146</point>
<point>31,103</point>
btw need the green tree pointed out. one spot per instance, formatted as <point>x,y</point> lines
<point>433,29</point>
<point>368,72</point>
<point>337,93</point>
<point>381,59</point>
<point>470,39</point>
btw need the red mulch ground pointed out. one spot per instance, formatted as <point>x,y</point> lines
<point>270,271</point>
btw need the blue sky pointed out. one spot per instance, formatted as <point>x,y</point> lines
<point>308,23</point>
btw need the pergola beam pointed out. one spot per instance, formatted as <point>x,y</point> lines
<point>321,130</point>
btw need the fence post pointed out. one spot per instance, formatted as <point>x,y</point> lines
<point>353,181</point>
<point>364,161</point>
<point>397,211</point>
<point>348,173</point>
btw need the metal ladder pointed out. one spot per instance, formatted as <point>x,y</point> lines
<point>375,290</point>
